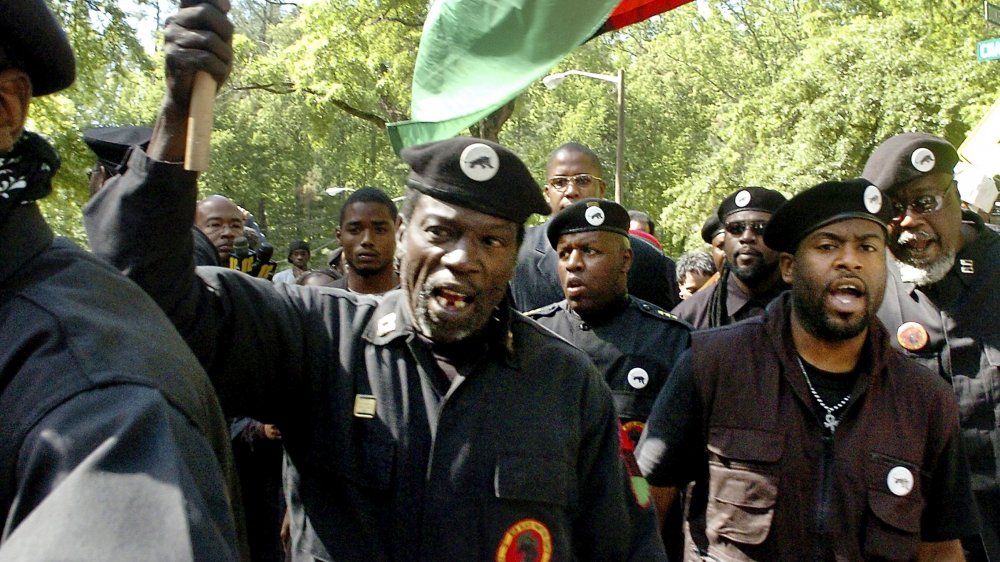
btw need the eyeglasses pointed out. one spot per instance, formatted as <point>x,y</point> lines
<point>737,228</point>
<point>581,181</point>
<point>923,205</point>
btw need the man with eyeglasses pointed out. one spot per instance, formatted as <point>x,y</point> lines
<point>940,300</point>
<point>750,278</point>
<point>573,173</point>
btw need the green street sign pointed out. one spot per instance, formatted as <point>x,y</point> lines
<point>988,50</point>
<point>992,13</point>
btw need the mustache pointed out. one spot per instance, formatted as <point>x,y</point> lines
<point>908,236</point>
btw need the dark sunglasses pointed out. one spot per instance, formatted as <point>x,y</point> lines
<point>737,228</point>
<point>923,205</point>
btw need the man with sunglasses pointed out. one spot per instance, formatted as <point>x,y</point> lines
<point>573,173</point>
<point>944,273</point>
<point>750,278</point>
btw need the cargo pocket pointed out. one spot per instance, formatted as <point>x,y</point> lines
<point>896,504</point>
<point>743,484</point>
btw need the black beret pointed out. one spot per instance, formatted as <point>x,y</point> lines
<point>586,215</point>
<point>111,144</point>
<point>32,39</point>
<point>823,204</point>
<point>476,174</point>
<point>711,227</point>
<point>907,156</point>
<point>751,199</point>
<point>297,245</point>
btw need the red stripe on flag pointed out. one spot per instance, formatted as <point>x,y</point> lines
<point>634,11</point>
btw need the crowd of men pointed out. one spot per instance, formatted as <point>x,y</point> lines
<point>821,384</point>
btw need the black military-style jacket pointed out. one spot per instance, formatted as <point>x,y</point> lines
<point>634,348</point>
<point>949,328</point>
<point>112,443</point>
<point>519,456</point>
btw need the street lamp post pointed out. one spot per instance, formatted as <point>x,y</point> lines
<point>552,81</point>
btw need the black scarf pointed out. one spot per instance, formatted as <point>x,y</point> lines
<point>26,171</point>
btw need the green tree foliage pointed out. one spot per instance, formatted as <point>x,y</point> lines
<point>720,94</point>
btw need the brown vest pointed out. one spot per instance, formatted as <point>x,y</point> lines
<point>778,487</point>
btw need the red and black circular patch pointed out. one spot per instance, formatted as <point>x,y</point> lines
<point>528,540</point>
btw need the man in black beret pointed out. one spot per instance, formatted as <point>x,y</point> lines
<point>633,343</point>
<point>750,279</point>
<point>944,274</point>
<point>114,446</point>
<point>409,419</point>
<point>816,440</point>
<point>574,172</point>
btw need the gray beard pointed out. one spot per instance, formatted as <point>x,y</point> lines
<point>927,274</point>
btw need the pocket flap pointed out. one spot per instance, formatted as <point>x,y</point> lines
<point>886,475</point>
<point>536,479</point>
<point>742,488</point>
<point>744,444</point>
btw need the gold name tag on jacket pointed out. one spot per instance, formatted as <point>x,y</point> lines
<point>364,406</point>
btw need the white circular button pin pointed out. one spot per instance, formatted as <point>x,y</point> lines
<point>479,162</point>
<point>922,159</point>
<point>873,199</point>
<point>594,215</point>
<point>742,198</point>
<point>900,480</point>
<point>638,378</point>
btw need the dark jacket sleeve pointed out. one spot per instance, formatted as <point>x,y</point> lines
<point>246,332</point>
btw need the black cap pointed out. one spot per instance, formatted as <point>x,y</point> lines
<point>822,204</point>
<point>905,157</point>
<point>32,39</point>
<point>711,228</point>
<point>297,245</point>
<point>751,199</point>
<point>111,144</point>
<point>476,174</point>
<point>586,215</point>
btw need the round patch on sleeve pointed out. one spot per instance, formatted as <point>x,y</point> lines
<point>528,540</point>
<point>873,199</point>
<point>479,162</point>
<point>742,198</point>
<point>900,480</point>
<point>922,159</point>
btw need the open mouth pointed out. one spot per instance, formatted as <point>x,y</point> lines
<point>847,295</point>
<point>916,240</point>
<point>449,299</point>
<point>574,287</point>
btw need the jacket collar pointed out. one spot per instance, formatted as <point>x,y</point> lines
<point>393,320</point>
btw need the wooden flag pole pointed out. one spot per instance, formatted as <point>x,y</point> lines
<point>199,127</point>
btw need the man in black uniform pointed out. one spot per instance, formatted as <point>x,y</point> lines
<point>942,292</point>
<point>574,172</point>
<point>818,441</point>
<point>112,443</point>
<point>750,279</point>
<point>433,423</point>
<point>634,344</point>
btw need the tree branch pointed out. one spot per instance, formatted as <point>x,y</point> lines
<point>284,88</point>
